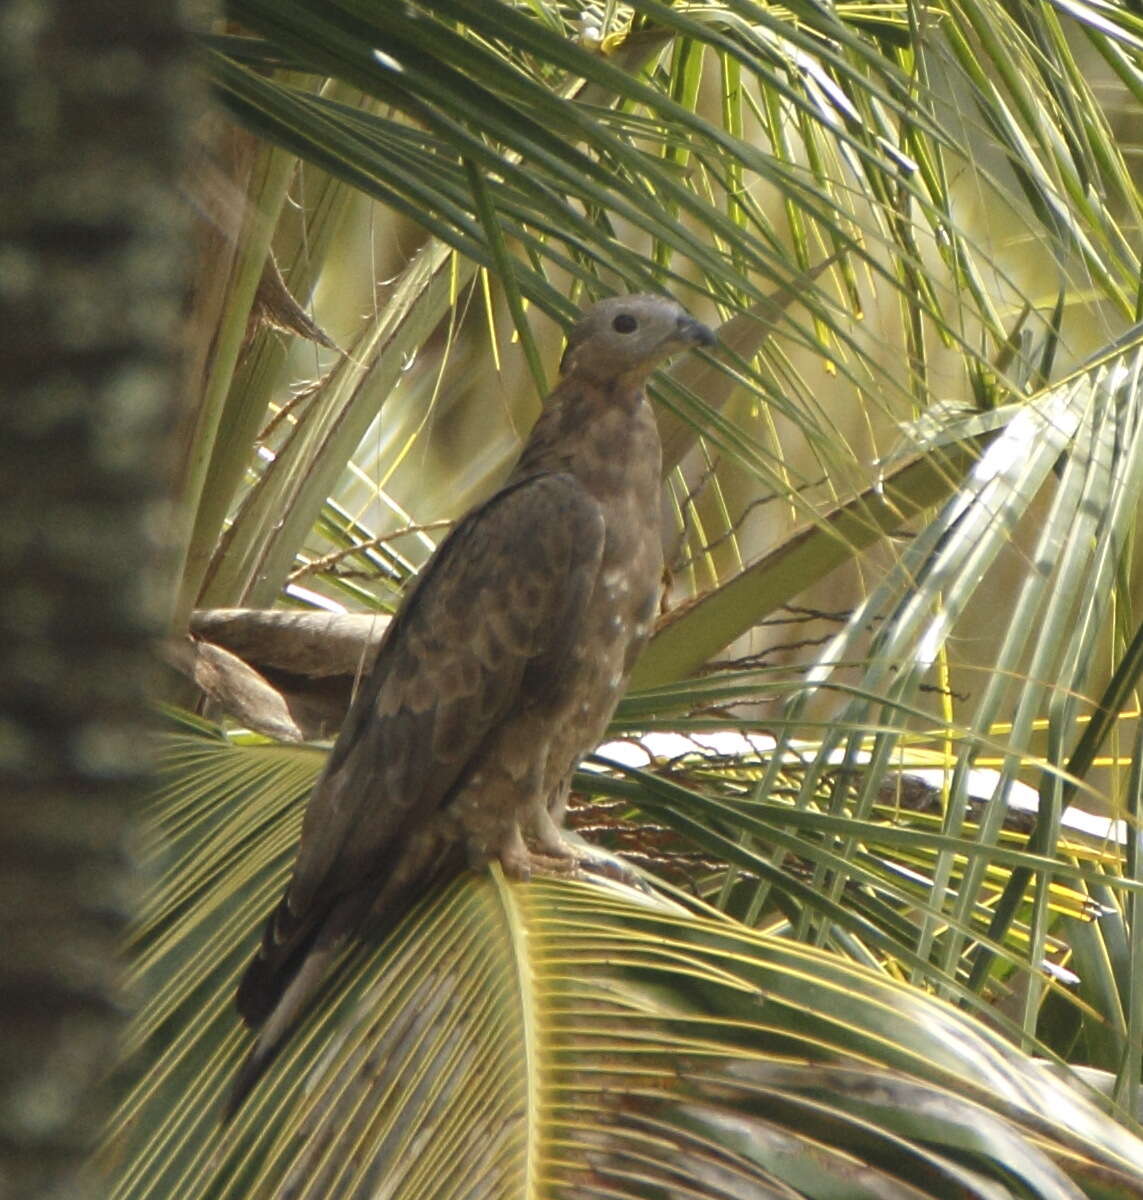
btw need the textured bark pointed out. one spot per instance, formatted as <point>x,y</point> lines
<point>287,674</point>
<point>94,97</point>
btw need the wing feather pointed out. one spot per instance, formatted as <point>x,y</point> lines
<point>504,593</point>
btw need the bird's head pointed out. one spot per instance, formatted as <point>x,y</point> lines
<point>628,336</point>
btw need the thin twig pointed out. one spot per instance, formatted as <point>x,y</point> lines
<point>330,560</point>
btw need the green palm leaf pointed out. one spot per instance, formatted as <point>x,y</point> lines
<point>556,1039</point>
<point>904,496</point>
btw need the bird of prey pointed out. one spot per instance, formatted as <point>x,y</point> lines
<point>499,672</point>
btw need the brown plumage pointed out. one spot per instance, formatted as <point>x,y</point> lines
<point>499,672</point>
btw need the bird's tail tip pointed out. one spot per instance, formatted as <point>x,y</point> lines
<point>290,1006</point>
<point>248,1075</point>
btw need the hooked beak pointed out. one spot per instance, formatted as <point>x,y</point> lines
<point>694,333</point>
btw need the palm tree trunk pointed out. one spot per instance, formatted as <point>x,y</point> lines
<point>96,97</point>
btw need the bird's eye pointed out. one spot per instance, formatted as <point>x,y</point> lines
<point>624,323</point>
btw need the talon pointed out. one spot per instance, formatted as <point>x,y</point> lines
<point>610,867</point>
<point>563,865</point>
<point>544,837</point>
<point>514,857</point>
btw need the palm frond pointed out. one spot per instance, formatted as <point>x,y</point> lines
<point>556,1039</point>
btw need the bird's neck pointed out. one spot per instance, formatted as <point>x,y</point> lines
<point>604,435</point>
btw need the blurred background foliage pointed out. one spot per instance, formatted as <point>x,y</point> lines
<point>894,680</point>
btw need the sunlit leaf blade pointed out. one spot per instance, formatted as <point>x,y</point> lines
<point>540,1039</point>
<point>456,174</point>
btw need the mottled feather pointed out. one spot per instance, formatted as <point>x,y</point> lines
<point>501,669</point>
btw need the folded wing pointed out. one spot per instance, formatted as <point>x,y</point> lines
<point>486,635</point>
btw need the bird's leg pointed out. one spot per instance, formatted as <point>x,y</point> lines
<point>543,834</point>
<point>513,854</point>
<point>485,814</point>
<point>550,852</point>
